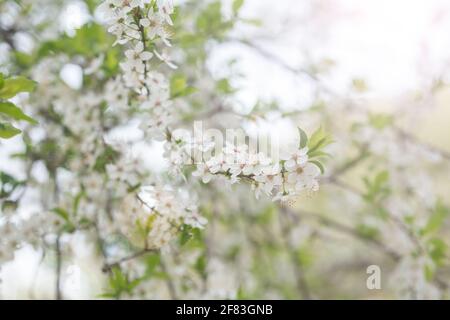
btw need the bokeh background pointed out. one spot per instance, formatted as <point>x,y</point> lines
<point>383,56</point>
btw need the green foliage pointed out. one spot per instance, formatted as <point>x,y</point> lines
<point>90,41</point>
<point>191,237</point>
<point>200,265</point>
<point>436,219</point>
<point>9,88</point>
<point>266,215</point>
<point>303,138</point>
<point>367,231</point>
<point>380,120</point>
<point>211,22</point>
<point>376,188</point>
<point>305,256</point>
<point>143,228</point>
<point>68,226</point>
<point>109,155</point>
<point>7,130</point>
<point>179,86</point>
<point>152,262</point>
<point>119,283</point>
<point>8,185</point>
<point>224,87</point>
<point>319,165</point>
<point>237,4</point>
<point>24,60</point>
<point>318,140</point>
<point>316,143</point>
<point>437,249</point>
<point>12,86</point>
<point>11,110</point>
<point>186,234</point>
<point>92,5</point>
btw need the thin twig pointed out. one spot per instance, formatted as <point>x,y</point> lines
<point>346,230</point>
<point>58,267</point>
<point>108,266</point>
<point>408,136</point>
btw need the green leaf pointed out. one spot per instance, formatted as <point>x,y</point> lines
<point>367,231</point>
<point>437,249</point>
<point>223,85</point>
<point>92,5</point>
<point>237,4</point>
<point>186,234</point>
<point>200,264</point>
<point>429,272</point>
<point>318,140</point>
<point>381,179</point>
<point>179,86</point>
<point>8,131</point>
<point>303,138</point>
<point>13,86</point>
<point>318,154</point>
<point>378,187</point>
<point>152,263</point>
<point>23,59</point>
<point>211,23</point>
<point>8,184</point>
<point>62,213</point>
<point>118,281</point>
<point>319,165</point>
<point>12,111</point>
<point>436,219</point>
<point>2,80</point>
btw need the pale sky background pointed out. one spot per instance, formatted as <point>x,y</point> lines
<point>396,46</point>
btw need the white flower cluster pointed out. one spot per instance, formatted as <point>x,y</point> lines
<point>155,216</point>
<point>137,23</point>
<point>282,180</point>
<point>158,111</point>
<point>30,231</point>
<point>292,175</point>
<point>116,96</point>
<point>126,172</point>
<point>9,241</point>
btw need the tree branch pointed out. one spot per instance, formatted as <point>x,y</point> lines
<point>58,292</point>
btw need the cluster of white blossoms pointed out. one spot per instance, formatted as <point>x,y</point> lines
<point>9,241</point>
<point>31,231</point>
<point>155,215</point>
<point>151,215</point>
<point>143,25</point>
<point>157,110</point>
<point>282,179</point>
<point>69,117</point>
<point>116,96</point>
